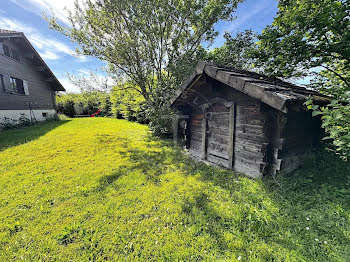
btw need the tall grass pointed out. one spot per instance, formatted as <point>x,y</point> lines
<point>105,189</point>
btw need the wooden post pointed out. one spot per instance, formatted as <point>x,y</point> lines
<point>204,134</point>
<point>175,129</point>
<point>231,136</point>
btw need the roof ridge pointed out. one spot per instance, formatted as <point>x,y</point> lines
<point>270,79</point>
<point>5,31</point>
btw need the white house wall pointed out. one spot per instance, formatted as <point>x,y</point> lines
<point>13,116</point>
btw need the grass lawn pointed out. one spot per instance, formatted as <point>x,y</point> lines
<point>104,190</point>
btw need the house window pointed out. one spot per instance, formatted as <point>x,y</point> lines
<point>15,86</point>
<point>6,50</point>
<point>10,52</point>
<point>14,54</point>
<point>12,86</point>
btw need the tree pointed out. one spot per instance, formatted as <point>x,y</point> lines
<point>91,83</point>
<point>142,39</point>
<point>310,37</point>
<point>85,103</point>
<point>148,42</point>
<point>128,103</point>
<point>307,34</point>
<point>236,51</point>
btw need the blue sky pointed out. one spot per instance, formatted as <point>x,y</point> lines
<point>59,53</point>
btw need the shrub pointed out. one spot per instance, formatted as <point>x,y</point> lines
<point>128,104</point>
<point>86,103</point>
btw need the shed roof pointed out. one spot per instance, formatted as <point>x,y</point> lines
<point>271,91</point>
<point>57,86</point>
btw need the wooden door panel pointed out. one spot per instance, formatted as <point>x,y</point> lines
<point>218,137</point>
<point>196,122</point>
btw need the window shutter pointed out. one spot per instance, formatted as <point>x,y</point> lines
<point>14,54</point>
<point>25,86</point>
<point>6,50</point>
<point>7,83</point>
<point>19,86</point>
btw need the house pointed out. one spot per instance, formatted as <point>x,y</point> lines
<point>27,85</point>
<point>245,121</point>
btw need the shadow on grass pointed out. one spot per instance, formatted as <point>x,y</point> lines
<point>15,137</point>
<point>108,180</point>
<point>316,196</point>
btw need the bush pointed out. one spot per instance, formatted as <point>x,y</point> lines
<point>336,122</point>
<point>128,104</point>
<point>68,108</point>
<point>86,103</point>
<point>160,121</point>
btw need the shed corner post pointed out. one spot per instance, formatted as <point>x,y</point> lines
<point>175,130</point>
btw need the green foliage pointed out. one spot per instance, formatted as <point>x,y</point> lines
<point>8,123</point>
<point>150,44</point>
<point>128,103</point>
<point>85,103</point>
<point>131,105</point>
<point>114,193</point>
<point>66,107</point>
<point>237,52</point>
<point>304,35</point>
<point>311,37</point>
<point>336,122</point>
<point>160,120</point>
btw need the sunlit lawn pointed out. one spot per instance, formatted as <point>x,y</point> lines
<point>104,189</point>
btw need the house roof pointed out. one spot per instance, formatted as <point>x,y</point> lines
<point>271,91</point>
<point>36,58</point>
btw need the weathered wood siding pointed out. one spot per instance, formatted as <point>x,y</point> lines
<point>196,122</point>
<point>300,134</point>
<point>251,141</point>
<point>218,135</point>
<point>40,95</point>
<point>245,126</point>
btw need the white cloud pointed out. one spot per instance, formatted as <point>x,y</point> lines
<point>12,24</point>
<point>56,7</point>
<point>83,72</point>
<point>48,48</point>
<point>48,55</point>
<point>70,87</point>
<point>82,58</point>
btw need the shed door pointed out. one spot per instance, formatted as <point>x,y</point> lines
<point>218,135</point>
<point>220,131</point>
<point>196,122</point>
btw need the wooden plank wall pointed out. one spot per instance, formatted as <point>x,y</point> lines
<point>196,121</point>
<point>218,135</point>
<point>40,93</point>
<point>300,135</point>
<point>251,142</point>
<point>265,140</point>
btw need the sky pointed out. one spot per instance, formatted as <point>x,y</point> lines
<point>59,52</point>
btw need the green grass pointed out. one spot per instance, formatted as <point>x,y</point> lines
<point>104,190</point>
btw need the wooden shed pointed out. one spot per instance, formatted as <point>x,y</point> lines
<point>245,121</point>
